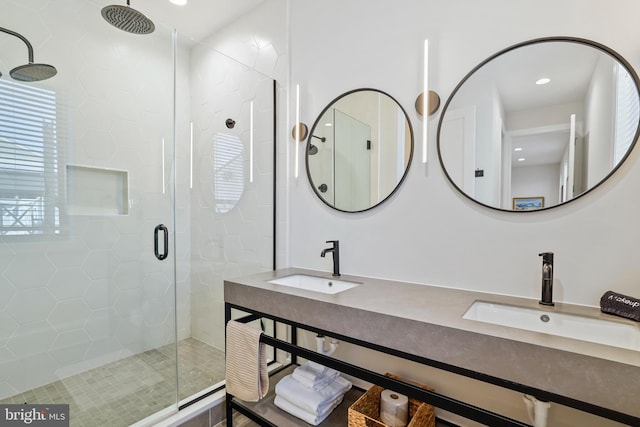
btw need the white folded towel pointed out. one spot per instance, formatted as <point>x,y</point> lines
<point>314,376</point>
<point>311,370</point>
<point>246,362</point>
<point>305,416</point>
<point>313,401</point>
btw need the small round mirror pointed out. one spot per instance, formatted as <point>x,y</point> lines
<point>539,124</point>
<point>359,150</point>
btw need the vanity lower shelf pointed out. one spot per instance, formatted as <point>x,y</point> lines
<point>266,410</point>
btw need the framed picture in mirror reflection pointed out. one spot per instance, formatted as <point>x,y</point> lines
<point>528,203</point>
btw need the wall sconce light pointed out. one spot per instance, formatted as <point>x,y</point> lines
<point>251,134</point>
<point>433,103</point>
<point>427,102</point>
<point>164,186</point>
<point>299,132</point>
<point>191,155</point>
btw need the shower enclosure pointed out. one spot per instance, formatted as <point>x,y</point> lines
<point>131,184</point>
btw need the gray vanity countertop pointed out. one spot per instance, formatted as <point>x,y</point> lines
<point>427,321</point>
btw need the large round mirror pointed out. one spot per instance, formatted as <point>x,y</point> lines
<point>359,150</point>
<point>539,124</point>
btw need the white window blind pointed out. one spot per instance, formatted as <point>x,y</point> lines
<point>29,181</point>
<point>627,113</point>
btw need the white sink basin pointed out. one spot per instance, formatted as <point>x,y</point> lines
<point>599,331</point>
<point>316,284</point>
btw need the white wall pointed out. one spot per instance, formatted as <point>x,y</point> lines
<point>428,233</point>
<point>536,181</point>
<point>600,111</point>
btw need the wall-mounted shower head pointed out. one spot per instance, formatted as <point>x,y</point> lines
<point>30,72</point>
<point>33,72</point>
<point>127,19</point>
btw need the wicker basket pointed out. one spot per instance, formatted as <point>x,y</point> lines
<point>365,412</point>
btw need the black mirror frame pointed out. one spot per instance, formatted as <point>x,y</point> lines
<point>308,145</point>
<point>577,40</point>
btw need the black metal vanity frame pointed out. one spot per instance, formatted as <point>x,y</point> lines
<point>463,409</point>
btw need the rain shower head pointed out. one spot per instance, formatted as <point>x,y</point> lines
<point>30,72</point>
<point>33,72</point>
<point>128,19</point>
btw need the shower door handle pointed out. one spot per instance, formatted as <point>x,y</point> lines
<point>165,231</point>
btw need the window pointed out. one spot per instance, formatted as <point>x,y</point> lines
<point>228,177</point>
<point>29,181</point>
<point>627,113</point>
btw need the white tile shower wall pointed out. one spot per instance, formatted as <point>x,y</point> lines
<point>426,232</point>
<point>95,293</point>
<point>257,39</point>
<point>231,233</point>
<point>230,68</point>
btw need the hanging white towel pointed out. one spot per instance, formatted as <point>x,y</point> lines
<point>313,401</point>
<point>314,376</point>
<point>298,412</point>
<point>246,363</point>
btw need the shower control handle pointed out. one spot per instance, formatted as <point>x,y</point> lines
<point>165,231</point>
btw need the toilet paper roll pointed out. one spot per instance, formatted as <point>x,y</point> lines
<point>394,408</point>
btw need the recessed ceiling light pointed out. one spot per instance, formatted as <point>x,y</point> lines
<point>543,81</point>
<point>517,149</point>
<point>179,2</point>
<point>328,124</point>
<point>521,159</point>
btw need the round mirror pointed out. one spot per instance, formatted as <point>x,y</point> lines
<point>539,124</point>
<point>359,150</point>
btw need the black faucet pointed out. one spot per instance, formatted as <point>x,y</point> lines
<point>547,278</point>
<point>335,248</point>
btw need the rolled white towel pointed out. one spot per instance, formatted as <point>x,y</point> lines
<point>306,416</point>
<point>307,375</point>
<point>313,401</point>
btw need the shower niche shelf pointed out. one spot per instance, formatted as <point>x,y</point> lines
<point>97,191</point>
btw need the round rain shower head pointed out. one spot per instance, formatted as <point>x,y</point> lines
<point>30,72</point>
<point>33,72</point>
<point>127,19</point>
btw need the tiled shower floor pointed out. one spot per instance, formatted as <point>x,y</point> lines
<point>126,391</point>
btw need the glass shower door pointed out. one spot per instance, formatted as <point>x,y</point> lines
<point>87,303</point>
<point>228,204</point>
<point>352,162</point>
